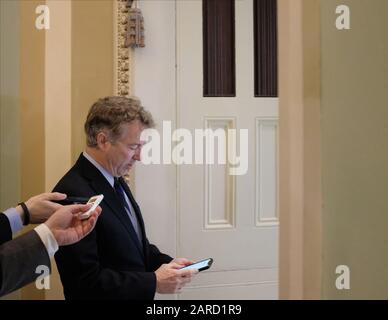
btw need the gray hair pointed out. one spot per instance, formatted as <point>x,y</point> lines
<point>110,113</point>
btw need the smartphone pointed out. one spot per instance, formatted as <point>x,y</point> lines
<point>200,265</point>
<point>71,200</point>
<point>95,201</point>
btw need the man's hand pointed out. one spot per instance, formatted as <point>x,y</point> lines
<point>40,206</point>
<point>67,228</point>
<point>183,262</point>
<point>169,279</point>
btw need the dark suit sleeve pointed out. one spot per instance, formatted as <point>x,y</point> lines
<point>97,281</point>
<point>5,229</point>
<point>157,258</point>
<point>19,259</point>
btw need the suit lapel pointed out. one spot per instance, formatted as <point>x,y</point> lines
<point>99,183</point>
<point>135,207</point>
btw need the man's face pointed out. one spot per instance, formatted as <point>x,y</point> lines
<point>121,155</point>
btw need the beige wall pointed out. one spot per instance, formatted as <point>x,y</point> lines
<point>22,109</point>
<point>92,62</point>
<point>57,92</point>
<point>32,81</point>
<point>300,184</point>
<point>9,108</point>
<point>291,150</point>
<point>57,107</point>
<point>9,103</point>
<point>355,149</point>
<point>312,227</point>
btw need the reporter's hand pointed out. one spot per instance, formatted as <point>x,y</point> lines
<point>40,206</point>
<point>169,279</point>
<point>182,261</point>
<point>66,226</point>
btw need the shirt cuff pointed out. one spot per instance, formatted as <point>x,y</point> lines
<point>47,238</point>
<point>14,218</point>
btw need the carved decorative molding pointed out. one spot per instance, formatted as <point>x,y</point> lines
<point>122,55</point>
<point>122,60</point>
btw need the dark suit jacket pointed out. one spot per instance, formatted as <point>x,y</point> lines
<point>5,229</point>
<point>19,257</point>
<point>109,263</point>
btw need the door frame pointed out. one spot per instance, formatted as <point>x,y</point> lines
<point>300,208</point>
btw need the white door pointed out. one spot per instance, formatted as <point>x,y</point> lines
<point>232,219</point>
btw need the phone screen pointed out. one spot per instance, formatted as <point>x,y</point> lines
<point>200,265</point>
<point>93,199</point>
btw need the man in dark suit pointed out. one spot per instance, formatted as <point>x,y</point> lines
<point>115,261</point>
<point>20,257</point>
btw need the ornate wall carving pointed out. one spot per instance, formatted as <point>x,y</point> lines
<point>122,59</point>
<point>122,55</point>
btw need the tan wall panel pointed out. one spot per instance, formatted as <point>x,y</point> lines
<point>58,92</point>
<point>355,153</point>
<point>92,62</point>
<point>32,77</point>
<point>9,109</point>
<point>291,149</point>
<point>299,164</point>
<point>312,233</point>
<point>57,108</point>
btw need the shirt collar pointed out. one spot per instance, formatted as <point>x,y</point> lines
<point>104,172</point>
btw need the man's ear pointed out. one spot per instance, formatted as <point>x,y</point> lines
<point>102,141</point>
